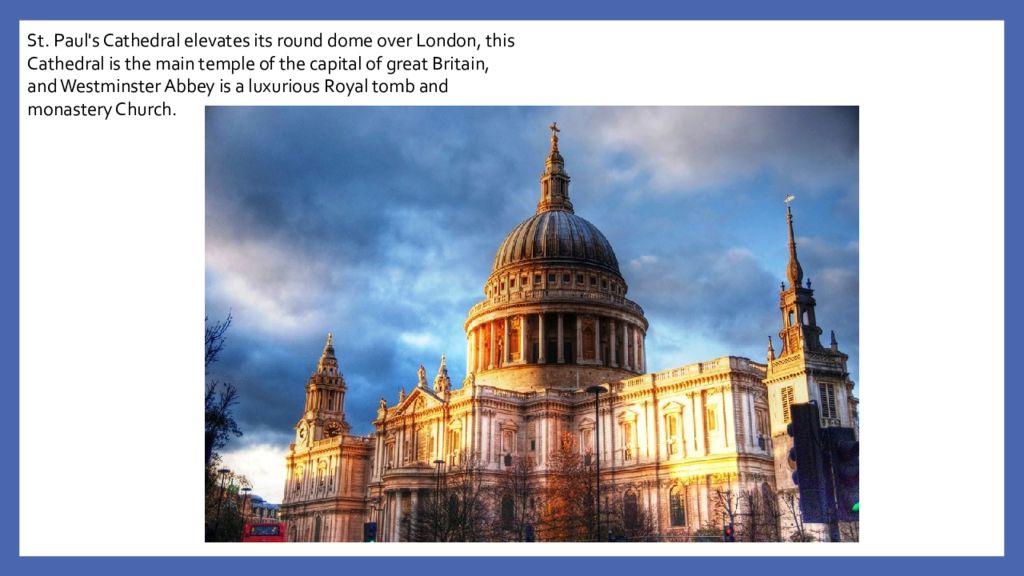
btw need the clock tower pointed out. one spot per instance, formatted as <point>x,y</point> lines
<point>324,414</point>
<point>328,468</point>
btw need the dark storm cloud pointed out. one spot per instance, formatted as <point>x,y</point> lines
<point>380,224</point>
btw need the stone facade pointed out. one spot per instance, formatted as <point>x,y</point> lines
<point>554,321</point>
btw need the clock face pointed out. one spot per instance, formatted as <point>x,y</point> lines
<point>302,432</point>
<point>332,428</point>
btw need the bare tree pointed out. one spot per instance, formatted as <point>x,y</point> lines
<point>727,506</point>
<point>515,504</point>
<point>761,514</point>
<point>849,531</point>
<point>791,508</point>
<point>221,397</point>
<point>630,520</point>
<point>456,510</point>
<point>216,335</point>
<point>567,513</point>
<point>469,512</point>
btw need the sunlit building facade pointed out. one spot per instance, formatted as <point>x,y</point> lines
<point>555,320</point>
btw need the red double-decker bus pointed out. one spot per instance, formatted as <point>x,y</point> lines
<point>264,532</point>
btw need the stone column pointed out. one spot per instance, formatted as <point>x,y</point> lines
<point>522,339</point>
<point>625,345</point>
<point>636,348</point>
<point>469,353</point>
<point>579,340</point>
<point>507,346</point>
<point>561,345</point>
<point>385,518</point>
<point>540,339</point>
<point>397,526</point>
<point>494,339</point>
<point>412,510</point>
<point>612,343</point>
<point>640,352</point>
<point>597,339</point>
<point>481,359</point>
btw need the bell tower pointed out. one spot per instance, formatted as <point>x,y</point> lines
<point>324,412</point>
<point>804,370</point>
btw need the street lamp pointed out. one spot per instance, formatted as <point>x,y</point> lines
<point>245,498</point>
<point>438,506</point>
<point>222,475</point>
<point>597,391</point>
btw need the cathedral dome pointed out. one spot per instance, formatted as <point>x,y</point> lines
<point>556,237</point>
<point>555,312</point>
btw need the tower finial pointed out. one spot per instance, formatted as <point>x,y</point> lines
<point>442,382</point>
<point>794,272</point>
<point>554,182</point>
<point>328,362</point>
<point>771,350</point>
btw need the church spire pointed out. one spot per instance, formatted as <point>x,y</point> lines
<point>793,271</point>
<point>799,331</point>
<point>554,182</point>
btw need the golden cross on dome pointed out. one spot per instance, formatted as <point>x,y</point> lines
<point>554,128</point>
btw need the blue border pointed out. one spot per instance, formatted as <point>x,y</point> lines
<point>15,10</point>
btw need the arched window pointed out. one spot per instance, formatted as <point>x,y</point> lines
<point>316,530</point>
<point>453,506</point>
<point>677,505</point>
<point>630,513</point>
<point>507,512</point>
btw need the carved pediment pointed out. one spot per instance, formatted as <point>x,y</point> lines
<point>419,400</point>
<point>672,408</point>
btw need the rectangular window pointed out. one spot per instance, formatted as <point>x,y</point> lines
<point>672,432</point>
<point>627,440</point>
<point>579,278</point>
<point>536,279</point>
<point>828,401</point>
<point>593,280</point>
<point>423,442</point>
<point>604,284</point>
<point>566,278</point>
<point>712,418</point>
<point>551,278</point>
<point>787,401</point>
<point>512,282</point>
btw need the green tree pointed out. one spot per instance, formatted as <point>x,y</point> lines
<point>225,504</point>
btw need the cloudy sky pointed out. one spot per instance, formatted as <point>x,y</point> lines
<point>380,225</point>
